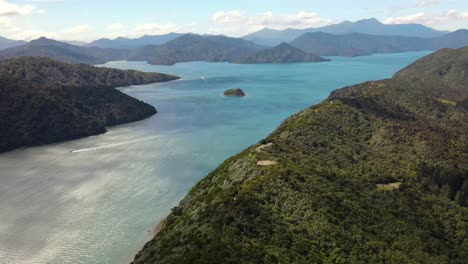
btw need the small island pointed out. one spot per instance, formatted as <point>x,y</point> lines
<point>236,92</point>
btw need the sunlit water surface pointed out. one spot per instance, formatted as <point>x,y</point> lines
<point>98,199</point>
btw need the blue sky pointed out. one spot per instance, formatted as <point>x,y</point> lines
<point>87,20</point>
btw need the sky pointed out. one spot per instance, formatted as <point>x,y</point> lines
<point>87,20</point>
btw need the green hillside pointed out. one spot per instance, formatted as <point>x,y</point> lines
<point>377,173</point>
<point>44,101</point>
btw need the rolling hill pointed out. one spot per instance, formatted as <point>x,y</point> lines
<point>283,53</point>
<point>192,47</point>
<point>44,101</point>
<point>64,52</point>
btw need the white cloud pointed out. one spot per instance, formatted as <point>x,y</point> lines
<point>33,34</point>
<point>115,27</point>
<point>238,22</point>
<point>453,14</point>
<point>429,19</point>
<point>5,22</point>
<point>77,32</point>
<point>10,9</point>
<point>420,17</point>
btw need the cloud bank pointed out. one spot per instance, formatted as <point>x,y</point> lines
<point>238,22</point>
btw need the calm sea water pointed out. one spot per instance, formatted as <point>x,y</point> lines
<point>97,200</point>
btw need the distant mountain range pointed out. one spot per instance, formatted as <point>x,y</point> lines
<point>357,44</point>
<point>271,37</point>
<point>192,47</point>
<point>359,38</point>
<point>283,53</point>
<point>9,43</point>
<point>127,43</point>
<point>44,101</point>
<point>188,47</point>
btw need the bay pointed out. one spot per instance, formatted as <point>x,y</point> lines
<point>98,199</point>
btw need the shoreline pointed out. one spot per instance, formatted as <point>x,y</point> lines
<point>159,226</point>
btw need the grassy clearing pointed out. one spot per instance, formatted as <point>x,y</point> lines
<point>447,102</point>
<point>389,186</point>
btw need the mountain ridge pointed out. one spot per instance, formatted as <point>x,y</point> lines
<point>358,44</point>
<point>129,43</point>
<point>371,26</point>
<point>6,43</point>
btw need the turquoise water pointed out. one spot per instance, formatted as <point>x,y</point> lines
<point>97,200</point>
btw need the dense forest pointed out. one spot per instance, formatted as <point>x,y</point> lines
<point>376,173</point>
<point>44,101</point>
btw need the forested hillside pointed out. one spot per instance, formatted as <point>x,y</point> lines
<point>44,101</point>
<point>377,173</point>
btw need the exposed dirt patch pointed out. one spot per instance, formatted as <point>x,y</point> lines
<point>266,163</point>
<point>389,186</point>
<point>261,147</point>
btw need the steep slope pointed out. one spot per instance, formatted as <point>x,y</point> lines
<point>446,66</point>
<point>44,101</point>
<point>9,43</point>
<point>357,44</point>
<point>377,173</point>
<point>127,43</point>
<point>372,26</point>
<point>191,47</point>
<point>283,53</point>
<point>64,52</point>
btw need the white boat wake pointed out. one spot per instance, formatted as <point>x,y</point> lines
<point>113,145</point>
